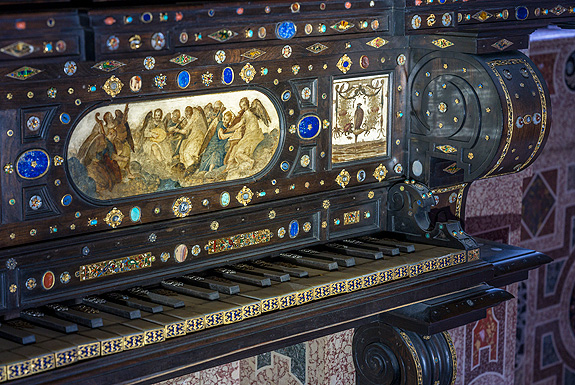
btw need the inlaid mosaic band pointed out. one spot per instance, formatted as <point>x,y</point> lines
<point>115,266</point>
<point>239,241</point>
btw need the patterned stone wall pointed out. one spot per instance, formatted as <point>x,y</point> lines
<point>546,339</point>
<point>323,361</point>
<point>486,349</point>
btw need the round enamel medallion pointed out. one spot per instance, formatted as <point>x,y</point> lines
<point>286,30</point>
<point>33,164</point>
<point>158,41</point>
<point>309,127</point>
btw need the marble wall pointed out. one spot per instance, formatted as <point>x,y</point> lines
<point>323,361</point>
<point>546,328</point>
<point>486,349</point>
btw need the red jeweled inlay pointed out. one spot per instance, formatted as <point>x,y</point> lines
<point>48,280</point>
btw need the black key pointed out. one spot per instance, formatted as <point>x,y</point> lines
<point>236,276</point>
<point>78,317</point>
<point>192,291</point>
<point>136,303</point>
<point>274,276</point>
<point>355,251</point>
<point>207,283</point>
<point>297,273</point>
<point>148,295</point>
<point>16,335</point>
<point>112,308</point>
<point>342,260</point>
<point>386,250</point>
<point>403,247</point>
<point>308,261</point>
<point>39,318</point>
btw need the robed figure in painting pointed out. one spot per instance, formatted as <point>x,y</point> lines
<point>241,155</point>
<point>155,145</point>
<point>98,154</point>
<point>191,146</point>
<point>215,152</point>
<point>124,143</point>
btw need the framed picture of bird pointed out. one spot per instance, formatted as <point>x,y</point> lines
<point>360,118</point>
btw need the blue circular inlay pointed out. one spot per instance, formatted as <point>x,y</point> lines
<point>147,17</point>
<point>135,214</point>
<point>66,200</point>
<point>521,13</point>
<point>33,164</point>
<point>286,96</point>
<point>284,166</point>
<point>293,229</point>
<point>285,30</point>
<point>65,118</point>
<point>228,76</point>
<point>308,127</point>
<point>183,79</point>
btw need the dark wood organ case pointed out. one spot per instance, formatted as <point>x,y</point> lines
<point>187,184</point>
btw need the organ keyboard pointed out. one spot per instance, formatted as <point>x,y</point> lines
<point>58,335</point>
<point>187,184</point>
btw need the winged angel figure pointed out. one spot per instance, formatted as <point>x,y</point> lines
<point>246,134</point>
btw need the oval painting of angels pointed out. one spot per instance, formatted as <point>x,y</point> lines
<point>128,149</point>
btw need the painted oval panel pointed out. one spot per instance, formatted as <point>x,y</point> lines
<point>144,147</point>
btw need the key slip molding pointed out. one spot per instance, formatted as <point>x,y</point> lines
<point>187,184</point>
